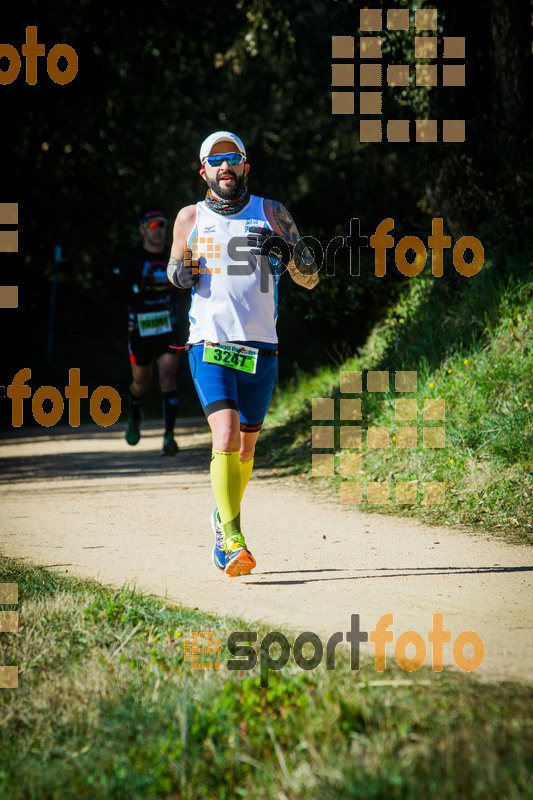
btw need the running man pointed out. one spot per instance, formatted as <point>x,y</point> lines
<point>141,277</point>
<point>222,250</point>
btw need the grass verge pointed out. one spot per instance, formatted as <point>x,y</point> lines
<point>472,346</point>
<point>107,707</point>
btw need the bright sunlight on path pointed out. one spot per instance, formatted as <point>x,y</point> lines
<point>81,501</point>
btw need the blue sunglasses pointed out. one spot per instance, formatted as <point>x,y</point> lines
<point>218,160</point>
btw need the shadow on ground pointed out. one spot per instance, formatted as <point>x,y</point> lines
<point>102,453</point>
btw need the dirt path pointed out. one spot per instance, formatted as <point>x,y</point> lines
<point>81,501</point>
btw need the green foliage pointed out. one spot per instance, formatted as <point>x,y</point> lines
<point>126,132</point>
<point>87,723</point>
<point>471,345</point>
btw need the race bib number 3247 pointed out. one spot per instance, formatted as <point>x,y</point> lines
<point>235,356</point>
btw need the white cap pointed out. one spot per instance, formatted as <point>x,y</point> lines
<point>220,136</point>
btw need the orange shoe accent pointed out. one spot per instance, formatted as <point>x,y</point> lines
<point>241,564</point>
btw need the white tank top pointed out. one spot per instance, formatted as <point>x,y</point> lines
<point>234,300</point>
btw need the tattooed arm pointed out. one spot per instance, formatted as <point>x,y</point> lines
<point>302,267</point>
<point>180,265</point>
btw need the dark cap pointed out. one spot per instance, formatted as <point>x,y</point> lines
<point>151,213</point>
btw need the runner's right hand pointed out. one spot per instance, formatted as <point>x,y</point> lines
<point>187,271</point>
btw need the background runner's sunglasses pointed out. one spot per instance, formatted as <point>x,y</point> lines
<point>155,224</point>
<point>231,158</point>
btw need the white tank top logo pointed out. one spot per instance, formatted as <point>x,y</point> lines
<point>252,222</point>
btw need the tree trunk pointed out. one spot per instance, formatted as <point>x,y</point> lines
<point>510,22</point>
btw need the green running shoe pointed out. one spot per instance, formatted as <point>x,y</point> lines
<point>170,445</point>
<point>133,431</point>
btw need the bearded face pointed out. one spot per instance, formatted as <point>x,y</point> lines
<point>227,180</point>
<point>226,184</point>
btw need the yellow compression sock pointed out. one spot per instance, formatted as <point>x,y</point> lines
<point>226,483</point>
<point>246,468</point>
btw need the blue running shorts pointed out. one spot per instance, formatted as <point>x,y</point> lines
<point>219,386</point>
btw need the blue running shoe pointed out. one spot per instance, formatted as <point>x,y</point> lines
<point>239,560</point>
<point>219,551</point>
